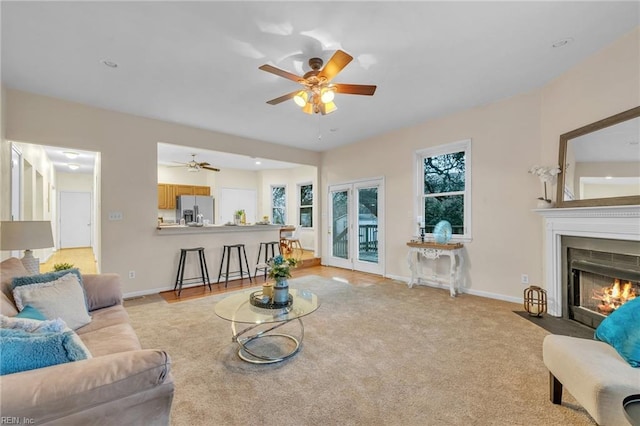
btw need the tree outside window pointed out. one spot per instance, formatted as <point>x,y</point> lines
<point>306,206</point>
<point>445,187</point>
<point>279,205</point>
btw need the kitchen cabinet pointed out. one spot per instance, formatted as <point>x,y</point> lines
<point>167,193</point>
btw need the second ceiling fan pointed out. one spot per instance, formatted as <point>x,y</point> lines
<point>318,92</point>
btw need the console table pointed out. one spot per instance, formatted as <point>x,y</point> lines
<point>432,251</point>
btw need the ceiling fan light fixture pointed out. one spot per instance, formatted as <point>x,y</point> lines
<point>193,169</point>
<point>308,108</point>
<point>328,108</point>
<point>301,98</point>
<point>327,95</point>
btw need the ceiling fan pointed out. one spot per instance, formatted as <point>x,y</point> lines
<point>194,166</point>
<point>318,92</point>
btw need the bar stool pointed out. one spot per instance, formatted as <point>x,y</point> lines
<point>263,266</point>
<point>226,253</point>
<point>204,272</point>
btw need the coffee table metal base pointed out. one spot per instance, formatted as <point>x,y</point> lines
<point>249,352</point>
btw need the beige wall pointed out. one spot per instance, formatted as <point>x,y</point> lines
<point>291,178</point>
<point>508,137</point>
<point>128,150</point>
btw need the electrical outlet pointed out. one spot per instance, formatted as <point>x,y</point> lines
<point>524,279</point>
<point>132,274</point>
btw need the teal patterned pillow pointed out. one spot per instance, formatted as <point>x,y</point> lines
<point>31,313</point>
<point>621,330</point>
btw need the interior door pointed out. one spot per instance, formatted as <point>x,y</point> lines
<point>356,226</point>
<point>75,219</point>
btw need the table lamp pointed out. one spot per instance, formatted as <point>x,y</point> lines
<point>26,235</point>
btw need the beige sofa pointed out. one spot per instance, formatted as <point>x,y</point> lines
<point>597,377</point>
<point>122,384</point>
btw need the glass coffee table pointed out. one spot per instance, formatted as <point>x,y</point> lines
<point>269,335</point>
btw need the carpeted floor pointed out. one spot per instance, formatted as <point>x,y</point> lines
<point>372,355</point>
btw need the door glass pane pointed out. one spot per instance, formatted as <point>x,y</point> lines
<point>340,225</point>
<point>368,225</point>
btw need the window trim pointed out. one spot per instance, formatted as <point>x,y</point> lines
<point>272,204</point>
<point>300,206</point>
<point>419,155</point>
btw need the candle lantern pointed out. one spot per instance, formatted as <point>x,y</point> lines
<point>535,301</point>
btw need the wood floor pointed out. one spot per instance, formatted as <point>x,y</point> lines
<point>81,258</point>
<point>346,275</point>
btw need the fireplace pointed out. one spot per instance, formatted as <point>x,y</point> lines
<point>600,276</point>
<point>619,223</point>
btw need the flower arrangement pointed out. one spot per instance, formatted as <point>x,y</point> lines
<point>280,267</point>
<point>545,174</point>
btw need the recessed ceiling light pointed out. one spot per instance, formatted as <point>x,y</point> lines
<point>73,166</point>
<point>562,42</point>
<point>258,162</point>
<point>608,177</point>
<point>71,154</point>
<point>110,64</point>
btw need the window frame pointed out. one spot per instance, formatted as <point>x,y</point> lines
<point>273,207</point>
<point>449,148</point>
<point>301,206</point>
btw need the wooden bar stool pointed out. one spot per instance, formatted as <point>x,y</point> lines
<point>226,254</point>
<point>204,272</point>
<point>263,266</point>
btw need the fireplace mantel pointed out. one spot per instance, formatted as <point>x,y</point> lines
<point>612,222</point>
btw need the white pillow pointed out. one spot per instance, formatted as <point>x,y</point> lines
<point>62,298</point>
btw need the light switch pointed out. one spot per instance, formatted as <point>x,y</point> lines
<point>115,215</point>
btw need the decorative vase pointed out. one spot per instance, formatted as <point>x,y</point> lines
<point>544,204</point>
<point>281,291</point>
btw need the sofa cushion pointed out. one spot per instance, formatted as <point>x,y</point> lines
<point>62,298</point>
<point>113,339</point>
<point>7,306</point>
<point>9,269</point>
<point>105,318</point>
<point>621,329</point>
<point>23,351</point>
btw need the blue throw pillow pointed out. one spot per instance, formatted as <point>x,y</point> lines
<point>45,278</point>
<point>31,313</point>
<point>621,330</point>
<point>22,351</point>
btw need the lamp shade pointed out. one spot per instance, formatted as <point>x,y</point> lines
<point>25,235</point>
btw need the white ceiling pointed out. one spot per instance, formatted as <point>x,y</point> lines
<point>196,63</point>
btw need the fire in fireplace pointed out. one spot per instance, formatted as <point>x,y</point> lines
<point>612,297</point>
<point>599,282</point>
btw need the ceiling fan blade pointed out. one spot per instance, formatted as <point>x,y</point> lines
<point>282,98</point>
<point>355,89</point>
<point>338,61</point>
<point>179,162</point>
<point>213,169</point>
<point>203,164</point>
<point>281,73</point>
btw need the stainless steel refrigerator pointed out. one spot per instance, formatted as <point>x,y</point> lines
<point>188,207</point>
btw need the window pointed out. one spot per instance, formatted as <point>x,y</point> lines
<point>444,186</point>
<point>306,206</point>
<point>279,205</point>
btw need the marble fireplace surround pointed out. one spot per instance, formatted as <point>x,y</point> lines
<point>609,222</point>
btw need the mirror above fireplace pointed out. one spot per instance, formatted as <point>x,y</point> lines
<point>600,163</point>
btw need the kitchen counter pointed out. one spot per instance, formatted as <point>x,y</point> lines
<point>184,229</point>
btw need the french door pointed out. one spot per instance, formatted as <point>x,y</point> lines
<point>356,226</point>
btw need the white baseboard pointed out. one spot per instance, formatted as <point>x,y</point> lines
<point>132,294</point>
<point>470,291</point>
